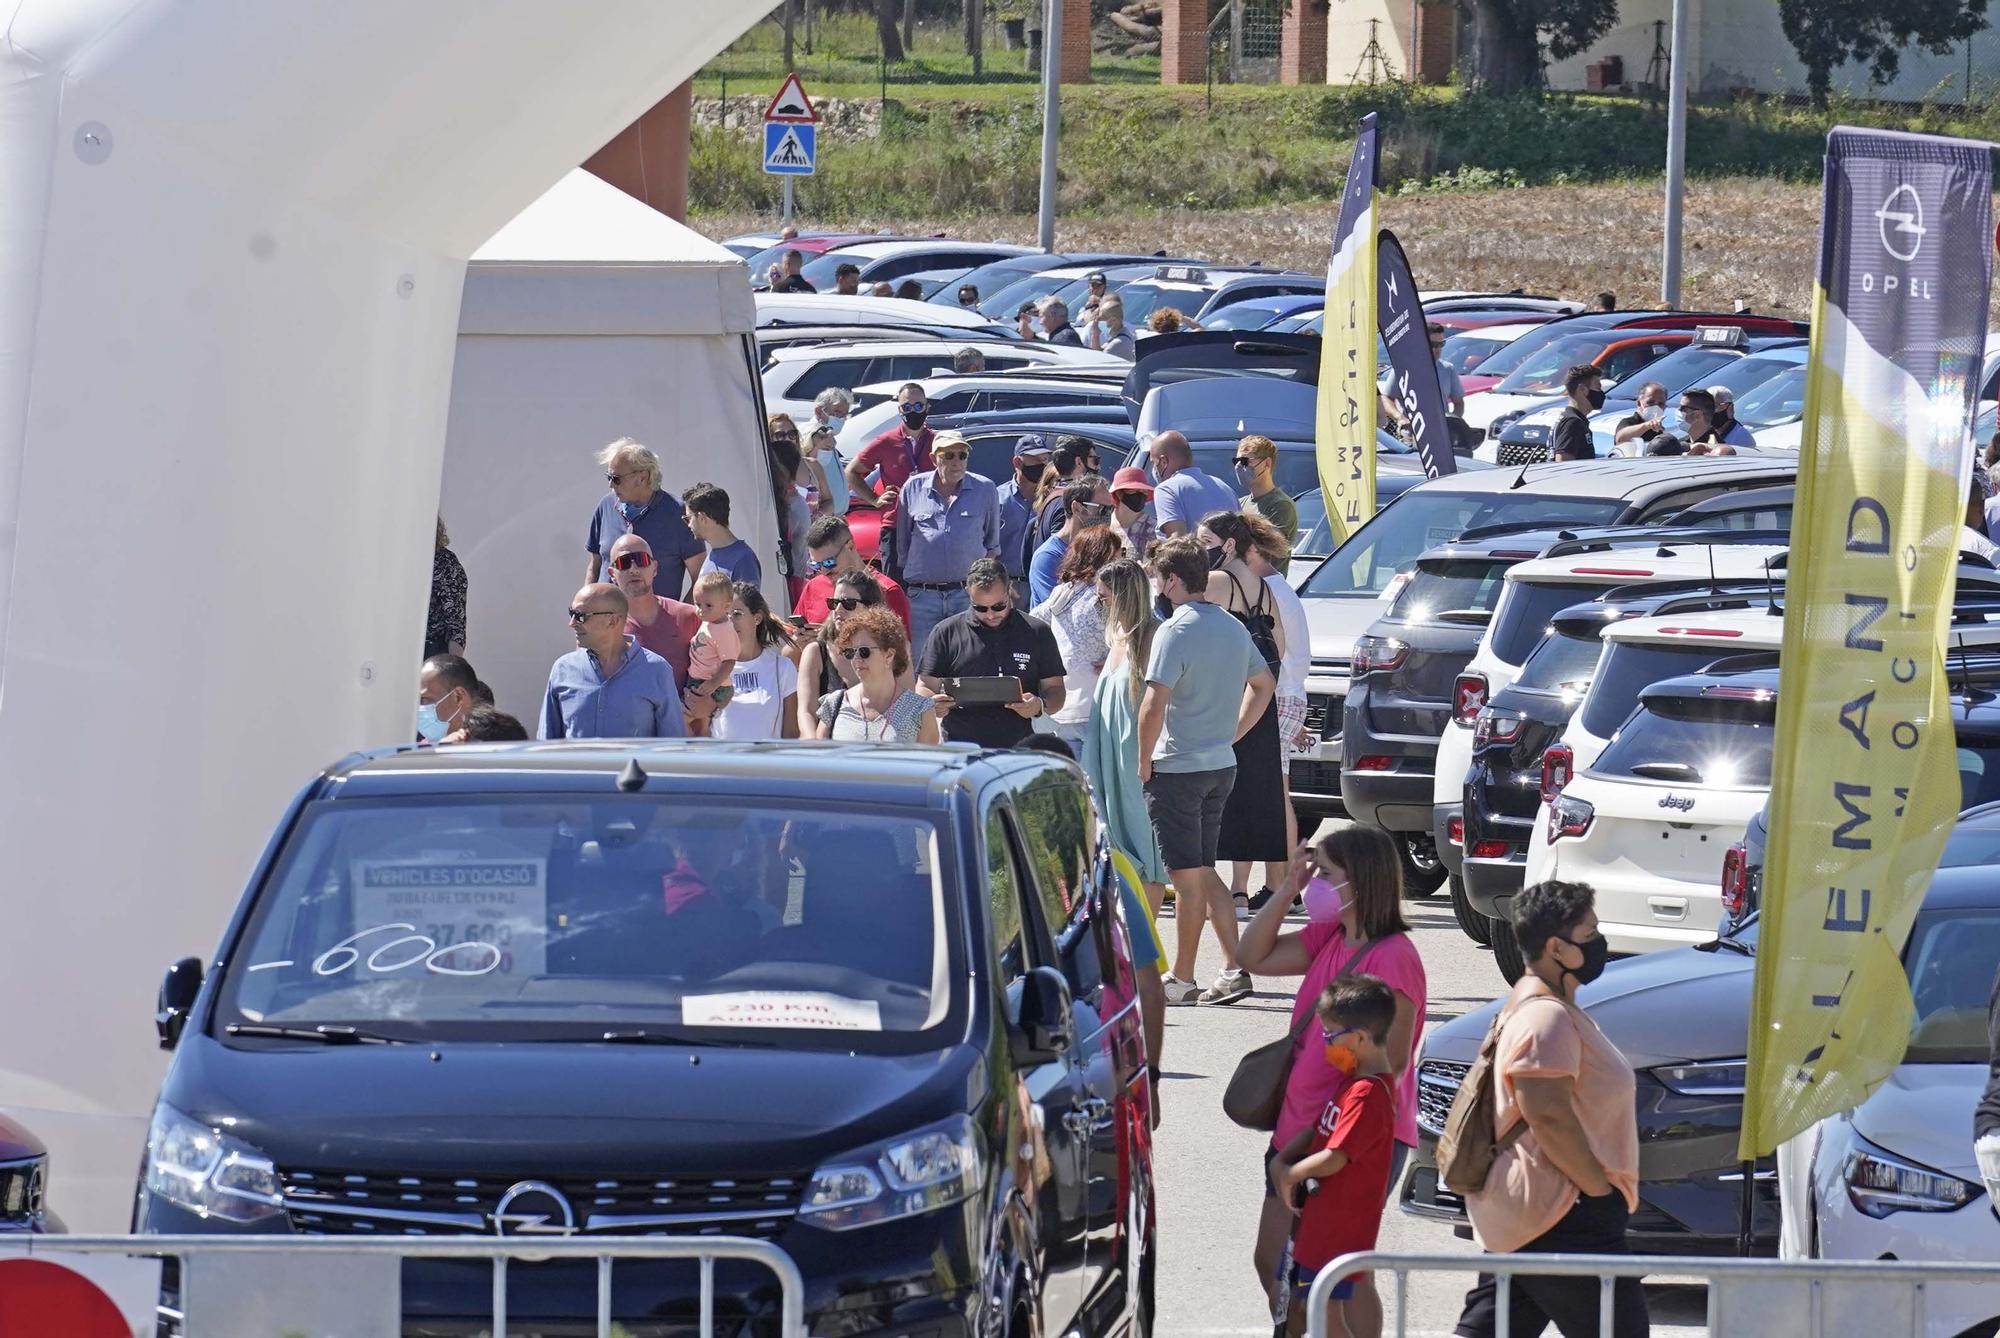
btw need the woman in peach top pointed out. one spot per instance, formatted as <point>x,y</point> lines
<point>1568,1183</point>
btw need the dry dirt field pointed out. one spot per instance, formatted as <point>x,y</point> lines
<point>1744,238</point>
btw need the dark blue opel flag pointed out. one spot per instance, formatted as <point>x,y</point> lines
<point>1413,375</point>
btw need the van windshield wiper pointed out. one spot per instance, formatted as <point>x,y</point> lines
<point>643,1037</point>
<point>325,1033</point>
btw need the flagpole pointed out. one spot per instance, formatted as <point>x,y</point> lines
<point>1677,120</point>
<point>1051,120</point>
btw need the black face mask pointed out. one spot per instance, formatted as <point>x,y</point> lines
<point>1163,608</point>
<point>914,418</point>
<point>1596,398</point>
<point>1596,952</point>
<point>1216,558</point>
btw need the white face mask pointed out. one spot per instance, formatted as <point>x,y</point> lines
<point>836,421</point>
<point>1652,413</point>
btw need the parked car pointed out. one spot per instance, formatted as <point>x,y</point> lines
<point>649,989</point>
<point>1592,562</point>
<point>1468,349</point>
<point>891,260</point>
<point>1617,353</point>
<point>817,310</point>
<point>810,245</point>
<point>1195,290</point>
<point>24,1175</point>
<point>792,378</point>
<point>1258,312</point>
<point>1895,1177</point>
<point>1342,595</point>
<point>1069,282</point>
<point>1041,388</point>
<point>1511,358</point>
<point>997,275</point>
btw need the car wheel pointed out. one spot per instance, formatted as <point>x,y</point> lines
<point>1423,872</point>
<point>1506,952</point>
<point>1476,926</point>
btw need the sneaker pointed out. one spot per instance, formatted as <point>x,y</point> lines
<point>1261,900</point>
<point>1228,988</point>
<point>1240,902</point>
<point>1180,991</point>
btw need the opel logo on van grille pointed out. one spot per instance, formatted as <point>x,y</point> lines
<point>533,1208</point>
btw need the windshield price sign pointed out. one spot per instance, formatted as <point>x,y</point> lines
<point>478,916</point>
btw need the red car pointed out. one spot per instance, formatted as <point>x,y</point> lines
<point>24,1166</point>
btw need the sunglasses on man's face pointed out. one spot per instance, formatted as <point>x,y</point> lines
<point>862,653</point>
<point>845,603</point>
<point>632,561</point>
<point>1094,508</point>
<point>1243,462</point>
<point>1132,501</point>
<point>616,479</point>
<point>1001,607</point>
<point>582,616</point>
<point>953,455</point>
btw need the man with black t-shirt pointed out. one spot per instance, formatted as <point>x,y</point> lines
<point>1584,384</point>
<point>991,638</point>
<point>1642,425</point>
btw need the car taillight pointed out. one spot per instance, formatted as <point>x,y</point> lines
<point>1490,728</point>
<point>1735,880</point>
<point>1375,764</point>
<point>1454,831</point>
<point>1468,698</point>
<point>1375,653</point>
<point>1569,817</point>
<point>1558,765</point>
<point>1487,849</point>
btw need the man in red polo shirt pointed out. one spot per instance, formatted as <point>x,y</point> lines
<point>830,546</point>
<point>895,455</point>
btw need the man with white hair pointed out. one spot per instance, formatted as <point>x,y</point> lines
<point>1053,317</point>
<point>968,361</point>
<point>636,504</point>
<point>830,409</point>
<point>1726,430</point>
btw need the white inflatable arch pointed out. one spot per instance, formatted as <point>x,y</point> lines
<point>232,239</point>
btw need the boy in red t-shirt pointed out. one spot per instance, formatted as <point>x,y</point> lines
<point>1335,1175</point>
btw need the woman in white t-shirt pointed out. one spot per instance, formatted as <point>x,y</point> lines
<point>1268,548</point>
<point>765,702</point>
<point>1074,611</point>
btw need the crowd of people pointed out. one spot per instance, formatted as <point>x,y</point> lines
<point>1142,625</point>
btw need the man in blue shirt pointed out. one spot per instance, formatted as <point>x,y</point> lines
<point>946,520</point>
<point>707,508</point>
<point>1017,505</point>
<point>1087,502</point>
<point>1185,494</point>
<point>637,505</point>
<point>609,687</point>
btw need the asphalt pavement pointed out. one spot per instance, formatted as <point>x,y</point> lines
<point>1211,1172</point>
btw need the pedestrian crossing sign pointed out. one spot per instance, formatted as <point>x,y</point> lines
<point>789,148</point>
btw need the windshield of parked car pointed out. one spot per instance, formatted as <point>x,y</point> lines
<point>1425,518</point>
<point>1950,961</point>
<point>1543,372</point>
<point>1005,303</point>
<point>1691,364</point>
<point>1560,662</point>
<point>1524,612</point>
<point>1782,399</point>
<point>1628,668</point>
<point>1973,841</point>
<point>1718,744</point>
<point>1506,360</point>
<point>555,919</point>
<point>1467,351</point>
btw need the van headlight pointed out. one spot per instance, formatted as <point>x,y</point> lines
<point>899,1177</point>
<point>1880,1183</point>
<point>208,1173</point>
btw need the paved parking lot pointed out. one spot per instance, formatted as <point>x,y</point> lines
<point>1210,1171</point>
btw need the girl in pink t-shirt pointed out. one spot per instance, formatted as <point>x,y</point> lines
<point>712,654</point>
<point>1353,892</point>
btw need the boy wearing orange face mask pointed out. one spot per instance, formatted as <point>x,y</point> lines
<point>1335,1174</point>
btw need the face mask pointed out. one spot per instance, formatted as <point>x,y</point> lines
<point>1596,952</point>
<point>1163,608</point>
<point>1216,557</point>
<point>836,422</point>
<point>1341,1058</point>
<point>1596,399</point>
<point>1244,474</point>
<point>1653,413</point>
<point>914,418</point>
<point>633,510</point>
<point>1324,899</point>
<point>430,726</point>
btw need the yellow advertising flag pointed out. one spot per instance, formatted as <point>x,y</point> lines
<point>1864,788</point>
<point>1344,439</point>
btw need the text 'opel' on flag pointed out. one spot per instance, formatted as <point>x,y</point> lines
<point>1864,783</point>
<point>1345,433</point>
<point>1413,371</point>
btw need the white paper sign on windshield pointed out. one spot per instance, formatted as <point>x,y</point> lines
<point>483,917</point>
<point>802,1010</point>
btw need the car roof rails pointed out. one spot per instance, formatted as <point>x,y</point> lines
<point>1689,537</point>
<point>1505,527</point>
<point>1742,663</point>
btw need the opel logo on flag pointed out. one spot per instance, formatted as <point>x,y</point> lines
<point>533,1208</point>
<point>1901,219</point>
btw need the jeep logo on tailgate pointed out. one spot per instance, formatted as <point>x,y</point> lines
<point>1675,801</point>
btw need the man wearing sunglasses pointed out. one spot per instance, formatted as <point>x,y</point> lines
<point>1088,503</point>
<point>610,686</point>
<point>1256,473</point>
<point>636,504</point>
<point>664,626</point>
<point>1018,496</point>
<point>893,457</point>
<point>992,638</point>
<point>832,555</point>
<point>946,520</point>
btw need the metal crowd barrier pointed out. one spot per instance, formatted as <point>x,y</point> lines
<point>704,1250</point>
<point>1767,1297</point>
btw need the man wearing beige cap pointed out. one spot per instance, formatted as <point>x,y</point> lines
<point>946,519</point>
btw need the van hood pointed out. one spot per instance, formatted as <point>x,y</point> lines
<point>1924,1113</point>
<point>1673,1007</point>
<point>564,1108</point>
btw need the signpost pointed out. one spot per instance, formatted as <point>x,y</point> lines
<point>791,136</point>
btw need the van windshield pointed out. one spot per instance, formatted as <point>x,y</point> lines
<point>535,918</point>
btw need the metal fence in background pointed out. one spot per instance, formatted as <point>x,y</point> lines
<point>192,1315</point>
<point>1766,1297</point>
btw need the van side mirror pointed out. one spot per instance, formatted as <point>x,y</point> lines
<point>1042,1031</point>
<point>177,996</point>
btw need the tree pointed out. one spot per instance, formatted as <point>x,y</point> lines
<point>1827,33</point>
<point>1508,37</point>
<point>888,14</point>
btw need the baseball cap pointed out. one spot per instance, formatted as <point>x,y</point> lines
<point>1033,443</point>
<point>1095,276</point>
<point>1131,479</point>
<point>944,441</point>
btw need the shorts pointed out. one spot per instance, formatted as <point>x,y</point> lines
<point>1302,1284</point>
<point>722,694</point>
<point>1186,809</point>
<point>1291,718</point>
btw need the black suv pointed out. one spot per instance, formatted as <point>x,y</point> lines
<point>874,1005</point>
